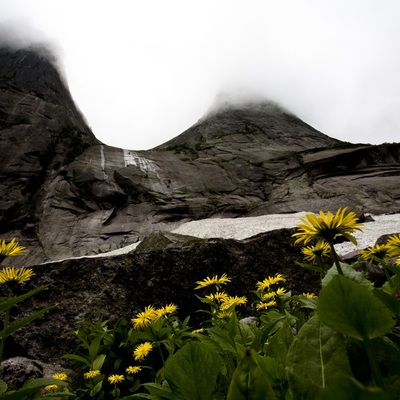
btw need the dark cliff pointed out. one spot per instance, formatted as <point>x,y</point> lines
<point>63,193</point>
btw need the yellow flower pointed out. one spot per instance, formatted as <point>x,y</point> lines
<point>133,370</point>
<point>218,296</point>
<point>201,330</point>
<point>316,252</point>
<point>264,306</point>
<point>142,351</point>
<point>12,274</point>
<point>310,295</point>
<point>144,318</point>
<point>268,296</point>
<point>280,291</point>
<point>214,281</point>
<point>231,301</point>
<point>61,376</point>
<point>11,249</point>
<point>393,244</point>
<point>164,311</point>
<point>398,262</point>
<point>50,388</point>
<point>328,226</point>
<point>91,374</point>
<point>269,281</point>
<point>379,250</point>
<point>115,379</point>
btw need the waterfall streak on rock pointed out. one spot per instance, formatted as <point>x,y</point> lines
<point>148,166</point>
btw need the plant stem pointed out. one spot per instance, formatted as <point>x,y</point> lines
<point>336,259</point>
<point>5,326</point>
<point>373,362</point>
<point>387,276</point>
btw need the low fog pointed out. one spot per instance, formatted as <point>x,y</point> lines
<point>142,73</point>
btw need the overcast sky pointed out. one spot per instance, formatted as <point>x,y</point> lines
<point>142,72</point>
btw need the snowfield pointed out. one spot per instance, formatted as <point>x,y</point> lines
<point>242,228</point>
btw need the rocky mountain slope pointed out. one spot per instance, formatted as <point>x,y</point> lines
<point>63,193</point>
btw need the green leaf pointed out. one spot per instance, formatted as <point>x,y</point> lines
<point>98,362</point>
<point>250,381</point>
<point>96,388</point>
<point>224,339</point>
<point>316,356</point>
<point>353,310</point>
<point>306,302</point>
<point>12,301</point>
<point>18,324</point>
<point>349,272</point>
<point>347,388</point>
<point>278,345</point>
<point>158,390</point>
<point>192,372</point>
<point>391,302</point>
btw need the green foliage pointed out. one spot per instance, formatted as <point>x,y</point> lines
<point>353,310</point>
<point>340,345</point>
<point>317,355</point>
<point>250,381</point>
<point>192,372</point>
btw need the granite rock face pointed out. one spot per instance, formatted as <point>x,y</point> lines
<point>64,194</point>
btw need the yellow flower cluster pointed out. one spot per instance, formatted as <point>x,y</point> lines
<point>268,292</point>
<point>380,252</point>
<point>151,314</point>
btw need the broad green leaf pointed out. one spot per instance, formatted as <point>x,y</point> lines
<point>96,388</point>
<point>278,344</point>
<point>316,356</point>
<point>306,302</point>
<point>98,362</point>
<point>250,381</point>
<point>224,339</point>
<point>388,355</point>
<point>347,388</point>
<point>158,390</point>
<point>12,301</point>
<point>192,372</point>
<point>352,309</point>
<point>349,272</point>
<point>391,302</point>
<point>18,324</point>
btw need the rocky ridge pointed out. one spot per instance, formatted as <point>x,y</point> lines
<point>64,194</point>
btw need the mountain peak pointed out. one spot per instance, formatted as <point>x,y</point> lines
<point>248,118</point>
<point>242,100</point>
